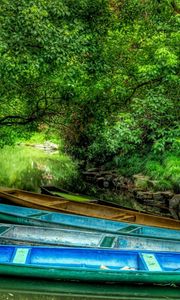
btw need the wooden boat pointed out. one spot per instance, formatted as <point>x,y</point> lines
<point>87,264</point>
<point>59,192</point>
<point>36,200</point>
<point>28,235</point>
<point>59,290</point>
<point>36,217</point>
<point>56,191</point>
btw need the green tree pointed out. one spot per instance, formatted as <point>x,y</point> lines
<point>140,77</point>
<point>79,65</point>
<point>48,52</point>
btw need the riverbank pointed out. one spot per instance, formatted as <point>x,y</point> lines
<point>28,168</point>
<point>31,165</point>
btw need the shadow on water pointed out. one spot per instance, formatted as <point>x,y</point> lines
<point>28,168</point>
<point>26,289</point>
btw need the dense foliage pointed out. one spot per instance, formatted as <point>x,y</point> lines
<point>104,73</point>
<point>140,88</point>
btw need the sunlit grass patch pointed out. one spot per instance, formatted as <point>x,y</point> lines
<point>29,168</point>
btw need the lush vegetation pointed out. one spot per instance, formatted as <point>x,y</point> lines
<point>104,74</point>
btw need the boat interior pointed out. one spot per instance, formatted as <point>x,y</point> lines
<point>56,203</point>
<point>36,200</point>
<point>28,235</point>
<point>58,236</point>
<point>64,220</point>
<point>86,258</point>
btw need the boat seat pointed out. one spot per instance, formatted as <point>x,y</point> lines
<point>57,203</point>
<point>130,228</point>
<point>129,218</point>
<point>124,217</point>
<point>4,229</point>
<point>108,241</point>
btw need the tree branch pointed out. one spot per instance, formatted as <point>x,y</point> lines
<point>17,120</point>
<point>141,85</point>
<point>175,7</point>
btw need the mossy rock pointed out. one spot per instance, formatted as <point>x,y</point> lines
<point>141,181</point>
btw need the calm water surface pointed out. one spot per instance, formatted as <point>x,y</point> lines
<point>27,289</point>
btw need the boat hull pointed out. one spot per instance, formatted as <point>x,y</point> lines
<point>44,202</point>
<point>89,276</point>
<point>28,235</point>
<point>56,191</point>
<point>84,264</point>
<point>35,217</point>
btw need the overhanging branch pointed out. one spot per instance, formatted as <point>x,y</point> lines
<point>142,84</point>
<point>17,120</point>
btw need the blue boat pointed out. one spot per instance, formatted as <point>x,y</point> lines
<point>56,204</point>
<point>36,217</point>
<point>33,235</point>
<point>85,264</point>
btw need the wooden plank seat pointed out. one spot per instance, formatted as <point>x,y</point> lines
<point>129,218</point>
<point>56,203</point>
<point>124,217</point>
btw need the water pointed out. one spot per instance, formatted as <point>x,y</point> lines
<point>27,289</point>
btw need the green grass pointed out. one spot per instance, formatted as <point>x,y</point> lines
<point>29,168</point>
<point>42,137</point>
<point>164,169</point>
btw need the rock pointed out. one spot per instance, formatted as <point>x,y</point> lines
<point>140,177</point>
<point>47,146</point>
<point>158,196</point>
<point>141,181</point>
<point>167,194</point>
<point>51,145</point>
<point>106,179</point>
<point>144,195</point>
<point>174,206</point>
<point>153,183</point>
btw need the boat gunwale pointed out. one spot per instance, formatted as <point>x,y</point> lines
<point>44,207</point>
<point>167,277</point>
<point>8,193</point>
<point>42,223</point>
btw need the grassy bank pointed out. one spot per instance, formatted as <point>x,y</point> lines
<point>29,168</point>
<point>162,169</point>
